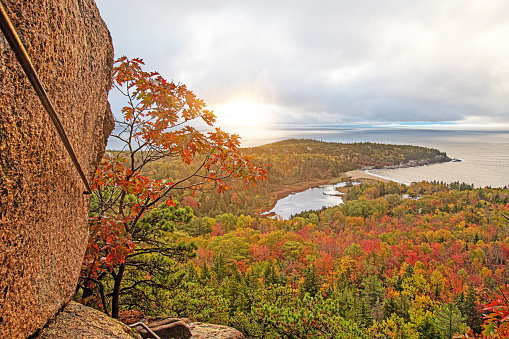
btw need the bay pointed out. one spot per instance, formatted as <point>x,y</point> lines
<point>484,154</point>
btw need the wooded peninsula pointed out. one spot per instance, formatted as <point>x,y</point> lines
<point>294,165</point>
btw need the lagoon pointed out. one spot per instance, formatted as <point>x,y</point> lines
<point>311,199</point>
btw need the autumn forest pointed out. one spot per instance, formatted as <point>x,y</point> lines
<point>177,228</point>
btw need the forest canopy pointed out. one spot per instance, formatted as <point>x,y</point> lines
<point>175,230</point>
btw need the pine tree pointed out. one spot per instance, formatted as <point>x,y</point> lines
<point>245,298</point>
<point>449,320</point>
<point>205,274</point>
<point>219,268</point>
<point>270,275</point>
<point>311,282</point>
<point>192,275</point>
<point>470,310</point>
<point>428,329</point>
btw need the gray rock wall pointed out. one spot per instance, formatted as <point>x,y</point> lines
<point>43,213</point>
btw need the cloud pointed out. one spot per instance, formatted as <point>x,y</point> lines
<point>328,61</point>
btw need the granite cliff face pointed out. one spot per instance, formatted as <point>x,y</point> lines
<point>43,213</point>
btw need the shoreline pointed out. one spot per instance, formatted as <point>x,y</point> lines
<point>387,179</point>
<point>369,176</point>
<point>407,165</point>
<point>355,175</point>
<point>365,176</point>
<point>414,163</point>
<point>362,175</point>
<point>281,194</point>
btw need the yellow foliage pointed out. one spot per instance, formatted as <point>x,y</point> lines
<point>486,272</point>
<point>346,263</point>
<point>414,285</point>
<point>394,328</point>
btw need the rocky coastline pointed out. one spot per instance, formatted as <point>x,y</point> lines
<point>415,163</point>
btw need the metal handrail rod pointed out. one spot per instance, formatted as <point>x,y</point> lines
<point>145,327</point>
<point>25,62</point>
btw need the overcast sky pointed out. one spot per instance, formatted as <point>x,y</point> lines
<point>326,62</point>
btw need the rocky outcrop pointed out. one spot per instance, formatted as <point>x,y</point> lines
<point>414,163</point>
<point>211,331</point>
<point>80,322</point>
<point>43,213</point>
<point>179,328</point>
<point>166,328</point>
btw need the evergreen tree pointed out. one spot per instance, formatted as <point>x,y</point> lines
<point>449,320</point>
<point>205,274</point>
<point>192,275</point>
<point>428,329</point>
<point>311,282</point>
<point>373,289</point>
<point>470,310</point>
<point>219,267</point>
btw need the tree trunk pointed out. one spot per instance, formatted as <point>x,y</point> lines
<point>87,293</point>
<point>116,291</point>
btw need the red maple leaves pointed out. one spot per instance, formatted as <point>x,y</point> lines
<point>155,124</point>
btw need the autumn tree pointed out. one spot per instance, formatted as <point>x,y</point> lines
<point>132,215</point>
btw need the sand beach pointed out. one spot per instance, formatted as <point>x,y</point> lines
<point>358,175</point>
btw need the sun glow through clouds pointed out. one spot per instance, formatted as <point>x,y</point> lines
<point>244,113</point>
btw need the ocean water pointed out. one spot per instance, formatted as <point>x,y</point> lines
<point>484,154</point>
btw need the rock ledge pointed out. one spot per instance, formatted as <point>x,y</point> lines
<point>176,328</point>
<point>211,331</point>
<point>81,322</point>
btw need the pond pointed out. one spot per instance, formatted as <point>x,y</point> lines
<point>311,199</point>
